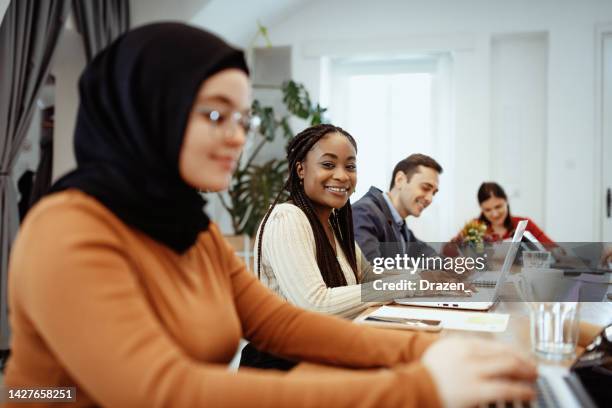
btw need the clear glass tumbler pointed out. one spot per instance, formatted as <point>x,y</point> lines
<point>554,329</point>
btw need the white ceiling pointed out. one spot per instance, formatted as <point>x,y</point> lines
<point>234,20</point>
<point>148,11</point>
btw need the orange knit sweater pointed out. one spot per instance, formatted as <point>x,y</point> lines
<point>100,306</point>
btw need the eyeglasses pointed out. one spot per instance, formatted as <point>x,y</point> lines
<point>226,122</point>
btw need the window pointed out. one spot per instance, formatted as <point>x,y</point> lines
<point>393,108</point>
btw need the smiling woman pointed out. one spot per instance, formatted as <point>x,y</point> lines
<point>495,214</point>
<point>316,220</point>
<point>305,249</point>
<point>328,175</point>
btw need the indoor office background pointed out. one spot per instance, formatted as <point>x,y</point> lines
<point>519,92</point>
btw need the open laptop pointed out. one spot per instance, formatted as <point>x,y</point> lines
<point>586,384</point>
<point>556,387</point>
<point>580,258</point>
<point>532,243</point>
<point>486,297</point>
<point>584,257</point>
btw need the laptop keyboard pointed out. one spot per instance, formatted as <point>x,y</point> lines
<point>544,398</point>
<point>484,283</point>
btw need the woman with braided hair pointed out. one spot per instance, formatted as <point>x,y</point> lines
<point>305,249</point>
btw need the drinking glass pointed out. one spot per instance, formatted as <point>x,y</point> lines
<point>554,329</point>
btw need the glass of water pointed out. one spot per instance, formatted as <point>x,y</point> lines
<point>554,329</point>
<point>536,259</point>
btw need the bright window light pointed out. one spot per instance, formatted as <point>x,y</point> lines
<point>390,117</point>
<point>395,107</point>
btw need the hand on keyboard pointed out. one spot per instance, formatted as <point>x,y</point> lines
<point>469,371</point>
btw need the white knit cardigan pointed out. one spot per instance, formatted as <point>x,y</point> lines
<point>289,266</point>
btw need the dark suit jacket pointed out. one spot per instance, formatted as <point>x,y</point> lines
<point>377,233</point>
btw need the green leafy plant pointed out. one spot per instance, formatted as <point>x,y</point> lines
<point>254,185</point>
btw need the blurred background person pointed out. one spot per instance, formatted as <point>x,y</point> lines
<point>495,214</point>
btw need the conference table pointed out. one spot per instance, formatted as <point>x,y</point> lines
<point>593,316</point>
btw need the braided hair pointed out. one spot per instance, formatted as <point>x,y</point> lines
<point>341,220</point>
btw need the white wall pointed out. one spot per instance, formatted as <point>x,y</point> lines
<point>68,63</point>
<point>519,72</point>
<point>467,28</point>
<point>146,11</point>
<point>3,6</point>
<point>236,20</point>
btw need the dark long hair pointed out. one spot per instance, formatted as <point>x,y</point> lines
<point>491,189</point>
<point>341,219</point>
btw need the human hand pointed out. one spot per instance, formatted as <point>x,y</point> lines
<point>469,372</point>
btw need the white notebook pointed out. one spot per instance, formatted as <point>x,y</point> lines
<point>450,319</point>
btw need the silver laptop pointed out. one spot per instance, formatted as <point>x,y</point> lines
<point>556,387</point>
<point>485,298</point>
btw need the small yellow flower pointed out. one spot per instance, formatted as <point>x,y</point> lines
<point>473,233</point>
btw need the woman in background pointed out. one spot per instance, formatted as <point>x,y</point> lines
<point>120,285</point>
<point>495,214</point>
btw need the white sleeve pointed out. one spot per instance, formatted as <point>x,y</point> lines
<point>289,247</point>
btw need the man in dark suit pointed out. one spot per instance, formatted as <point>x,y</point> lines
<point>379,217</point>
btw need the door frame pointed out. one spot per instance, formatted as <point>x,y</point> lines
<point>601,32</point>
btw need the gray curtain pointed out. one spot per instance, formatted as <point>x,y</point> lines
<point>100,22</point>
<point>28,37</point>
